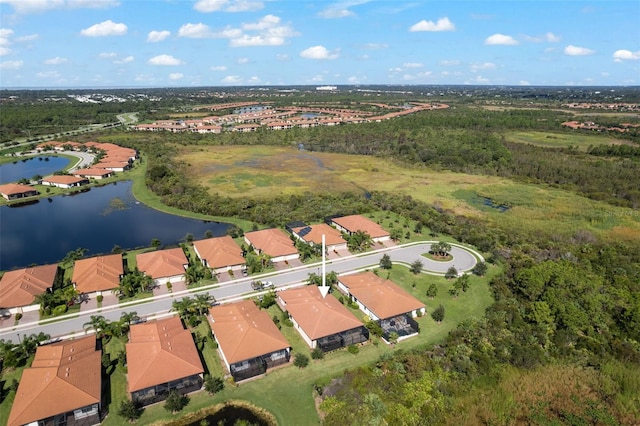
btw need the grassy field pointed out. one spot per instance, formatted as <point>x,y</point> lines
<point>261,171</point>
<point>577,139</point>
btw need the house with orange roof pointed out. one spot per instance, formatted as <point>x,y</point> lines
<point>273,242</point>
<point>64,181</point>
<point>97,274</point>
<point>163,265</point>
<point>93,173</point>
<point>19,288</point>
<point>63,386</point>
<point>248,341</point>
<point>356,222</point>
<point>15,191</point>
<point>161,357</point>
<point>322,322</point>
<point>384,302</point>
<point>220,254</point>
<point>114,165</point>
<point>312,234</point>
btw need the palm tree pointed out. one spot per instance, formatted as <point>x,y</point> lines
<point>96,322</point>
<point>202,303</point>
<point>184,308</point>
<point>126,318</point>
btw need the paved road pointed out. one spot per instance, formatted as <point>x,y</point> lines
<point>463,260</point>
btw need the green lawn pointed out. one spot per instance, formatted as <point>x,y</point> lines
<point>577,139</point>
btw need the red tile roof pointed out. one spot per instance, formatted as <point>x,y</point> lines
<point>357,222</point>
<point>317,316</point>
<point>15,188</point>
<point>220,252</point>
<point>64,376</point>
<point>159,352</point>
<point>19,287</point>
<point>382,297</point>
<point>92,172</point>
<point>244,331</point>
<point>64,179</point>
<point>274,242</point>
<point>162,263</point>
<point>97,273</point>
<point>331,235</point>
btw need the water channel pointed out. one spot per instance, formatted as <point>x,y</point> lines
<point>97,220</point>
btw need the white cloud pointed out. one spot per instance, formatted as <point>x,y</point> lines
<point>254,80</point>
<point>106,28</point>
<point>207,6</point>
<point>626,55</point>
<point>55,61</point>
<point>340,9</point>
<point>167,60</point>
<point>39,6</point>
<point>412,65</point>
<point>257,40</point>
<point>475,67</point>
<point>231,79</point>
<point>548,37</point>
<point>282,57</point>
<point>242,61</point>
<point>319,52</point>
<point>156,36</point>
<point>443,24</point>
<point>4,51</point>
<point>449,63</point>
<point>125,60</point>
<point>176,76</point>
<point>11,65</point>
<point>524,83</point>
<point>263,23</point>
<point>107,55</point>
<point>376,46</point>
<point>500,39</point>
<point>552,38</point>
<point>199,30</point>
<point>26,38</point>
<point>5,33</point>
<point>571,50</point>
<point>218,68</point>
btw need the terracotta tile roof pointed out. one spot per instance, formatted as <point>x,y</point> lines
<point>318,317</point>
<point>92,172</point>
<point>382,297</point>
<point>64,376</point>
<point>19,287</point>
<point>162,263</point>
<point>97,273</point>
<point>274,242</point>
<point>220,252</point>
<point>357,222</point>
<point>159,352</point>
<point>64,179</point>
<point>15,188</point>
<point>331,235</point>
<point>244,331</point>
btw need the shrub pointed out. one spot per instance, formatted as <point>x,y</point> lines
<point>301,360</point>
<point>432,291</point>
<point>130,410</point>
<point>100,298</point>
<point>438,313</point>
<point>59,310</point>
<point>175,402</point>
<point>353,349</point>
<point>213,384</point>
<point>317,353</point>
<point>18,316</point>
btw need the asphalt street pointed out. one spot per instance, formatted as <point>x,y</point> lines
<point>463,260</point>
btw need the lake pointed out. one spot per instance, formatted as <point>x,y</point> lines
<point>99,219</point>
<point>31,166</point>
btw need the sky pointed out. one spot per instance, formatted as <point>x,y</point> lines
<point>165,43</point>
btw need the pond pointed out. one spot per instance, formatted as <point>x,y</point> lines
<point>31,166</point>
<point>97,220</point>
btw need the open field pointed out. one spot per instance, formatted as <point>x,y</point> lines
<point>578,139</point>
<point>261,171</point>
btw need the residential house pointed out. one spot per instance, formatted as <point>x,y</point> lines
<point>248,341</point>
<point>272,242</point>
<point>93,173</point>
<point>64,181</point>
<point>220,254</point>
<point>322,322</point>
<point>385,302</point>
<point>15,191</point>
<point>163,265</point>
<point>97,274</point>
<point>19,288</point>
<point>312,234</point>
<point>161,357</point>
<point>63,386</point>
<point>355,223</point>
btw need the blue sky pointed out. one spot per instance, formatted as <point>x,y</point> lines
<point>159,43</point>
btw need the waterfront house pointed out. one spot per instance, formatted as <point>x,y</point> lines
<point>15,191</point>
<point>220,254</point>
<point>19,288</point>
<point>273,242</point>
<point>97,274</point>
<point>163,265</point>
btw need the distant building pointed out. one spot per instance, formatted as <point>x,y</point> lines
<point>326,88</point>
